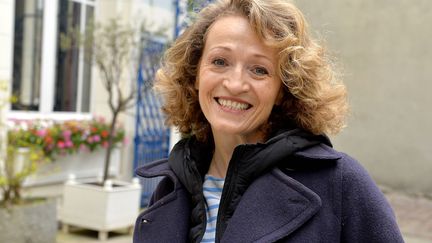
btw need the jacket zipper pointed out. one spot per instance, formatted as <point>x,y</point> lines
<point>230,185</point>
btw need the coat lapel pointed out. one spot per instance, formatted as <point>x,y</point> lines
<point>167,219</point>
<point>273,207</point>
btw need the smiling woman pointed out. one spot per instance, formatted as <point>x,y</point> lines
<point>236,81</point>
<point>254,97</point>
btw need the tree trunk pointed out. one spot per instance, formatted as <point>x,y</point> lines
<point>7,195</point>
<point>17,192</point>
<point>110,146</point>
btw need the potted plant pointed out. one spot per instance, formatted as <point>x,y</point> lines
<point>21,219</point>
<point>107,205</point>
<point>74,146</point>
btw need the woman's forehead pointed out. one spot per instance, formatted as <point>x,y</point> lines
<point>231,30</point>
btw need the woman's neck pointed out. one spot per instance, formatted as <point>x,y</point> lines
<point>224,148</point>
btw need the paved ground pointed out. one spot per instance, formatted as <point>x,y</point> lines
<point>77,235</point>
<point>414,214</point>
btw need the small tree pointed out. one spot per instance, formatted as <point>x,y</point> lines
<point>12,175</point>
<point>115,50</point>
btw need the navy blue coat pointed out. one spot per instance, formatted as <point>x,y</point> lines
<point>331,199</point>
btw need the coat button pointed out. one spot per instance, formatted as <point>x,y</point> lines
<point>145,221</point>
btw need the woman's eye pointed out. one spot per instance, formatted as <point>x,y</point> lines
<point>260,71</point>
<point>219,62</point>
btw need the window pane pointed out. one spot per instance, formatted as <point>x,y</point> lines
<point>67,60</point>
<point>27,54</point>
<point>73,77</point>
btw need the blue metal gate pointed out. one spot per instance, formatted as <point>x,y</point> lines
<point>151,135</point>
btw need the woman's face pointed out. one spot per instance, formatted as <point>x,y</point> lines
<point>237,80</point>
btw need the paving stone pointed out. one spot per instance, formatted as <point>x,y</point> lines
<point>414,215</point>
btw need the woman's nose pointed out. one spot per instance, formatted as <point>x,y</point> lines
<point>235,82</point>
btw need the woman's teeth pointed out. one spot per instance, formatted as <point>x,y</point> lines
<point>233,104</point>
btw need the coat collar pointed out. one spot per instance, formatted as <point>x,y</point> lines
<point>275,215</point>
<point>318,153</point>
<point>157,168</point>
<point>169,212</point>
<point>277,212</point>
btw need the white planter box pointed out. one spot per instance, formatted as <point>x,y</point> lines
<point>82,165</point>
<point>101,208</point>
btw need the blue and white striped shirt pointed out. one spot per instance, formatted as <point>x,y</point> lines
<point>212,189</point>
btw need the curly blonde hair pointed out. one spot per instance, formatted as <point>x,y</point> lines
<point>312,96</point>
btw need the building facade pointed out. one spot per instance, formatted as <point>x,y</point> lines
<point>55,83</point>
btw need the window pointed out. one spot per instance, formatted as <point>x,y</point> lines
<point>27,54</point>
<point>73,66</point>
<point>45,78</point>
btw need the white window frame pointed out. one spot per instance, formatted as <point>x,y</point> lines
<point>48,71</point>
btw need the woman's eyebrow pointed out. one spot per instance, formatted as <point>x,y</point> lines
<point>227,48</point>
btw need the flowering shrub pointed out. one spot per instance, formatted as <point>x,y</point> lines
<point>63,138</point>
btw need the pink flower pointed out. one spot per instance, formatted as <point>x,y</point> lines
<point>41,133</point>
<point>96,138</point>
<point>90,139</point>
<point>68,144</point>
<point>67,134</point>
<point>61,144</point>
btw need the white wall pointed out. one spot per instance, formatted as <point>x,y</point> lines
<point>6,47</point>
<point>157,15</point>
<point>385,50</point>
<point>7,8</point>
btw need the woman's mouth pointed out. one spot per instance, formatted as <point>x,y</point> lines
<point>233,105</point>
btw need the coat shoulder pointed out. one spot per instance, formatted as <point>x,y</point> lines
<point>367,216</point>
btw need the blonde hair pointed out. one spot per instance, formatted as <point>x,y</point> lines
<point>312,96</point>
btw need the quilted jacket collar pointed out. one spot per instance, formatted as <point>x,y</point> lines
<point>312,155</point>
